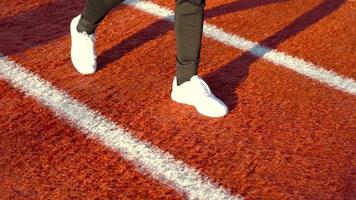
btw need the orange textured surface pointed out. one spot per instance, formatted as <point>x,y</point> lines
<point>286,137</point>
<point>44,158</point>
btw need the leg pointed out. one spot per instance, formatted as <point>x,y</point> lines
<point>189,28</point>
<point>189,18</point>
<point>94,12</point>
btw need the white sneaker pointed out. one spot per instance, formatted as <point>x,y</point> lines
<point>83,49</point>
<point>198,94</point>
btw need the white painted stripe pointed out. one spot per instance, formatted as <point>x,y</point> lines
<point>159,164</point>
<point>298,65</point>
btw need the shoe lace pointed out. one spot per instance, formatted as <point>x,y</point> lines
<point>203,87</point>
<point>90,40</point>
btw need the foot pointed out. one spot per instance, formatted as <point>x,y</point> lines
<point>198,94</point>
<point>83,49</point>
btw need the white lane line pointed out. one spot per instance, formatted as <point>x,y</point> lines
<point>161,165</point>
<point>298,65</point>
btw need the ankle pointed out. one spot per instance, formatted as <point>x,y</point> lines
<point>181,80</point>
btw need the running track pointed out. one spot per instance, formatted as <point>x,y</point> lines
<point>288,135</point>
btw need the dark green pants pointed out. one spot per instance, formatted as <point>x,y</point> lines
<point>189,15</point>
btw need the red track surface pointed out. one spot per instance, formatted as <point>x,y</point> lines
<point>287,136</point>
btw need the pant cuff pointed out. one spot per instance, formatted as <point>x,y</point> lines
<point>186,70</point>
<point>85,26</point>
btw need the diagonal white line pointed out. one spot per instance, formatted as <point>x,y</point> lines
<point>298,65</point>
<point>159,164</point>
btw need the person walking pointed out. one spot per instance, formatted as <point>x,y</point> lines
<point>187,86</point>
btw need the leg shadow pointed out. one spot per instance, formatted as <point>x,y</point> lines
<point>37,27</point>
<point>153,31</point>
<point>234,73</point>
<point>161,27</point>
<point>238,6</point>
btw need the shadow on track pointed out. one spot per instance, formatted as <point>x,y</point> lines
<point>51,21</point>
<point>161,27</point>
<point>232,74</point>
<point>37,27</point>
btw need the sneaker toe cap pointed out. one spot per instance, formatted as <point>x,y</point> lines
<point>86,70</point>
<point>213,108</point>
<point>84,66</point>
